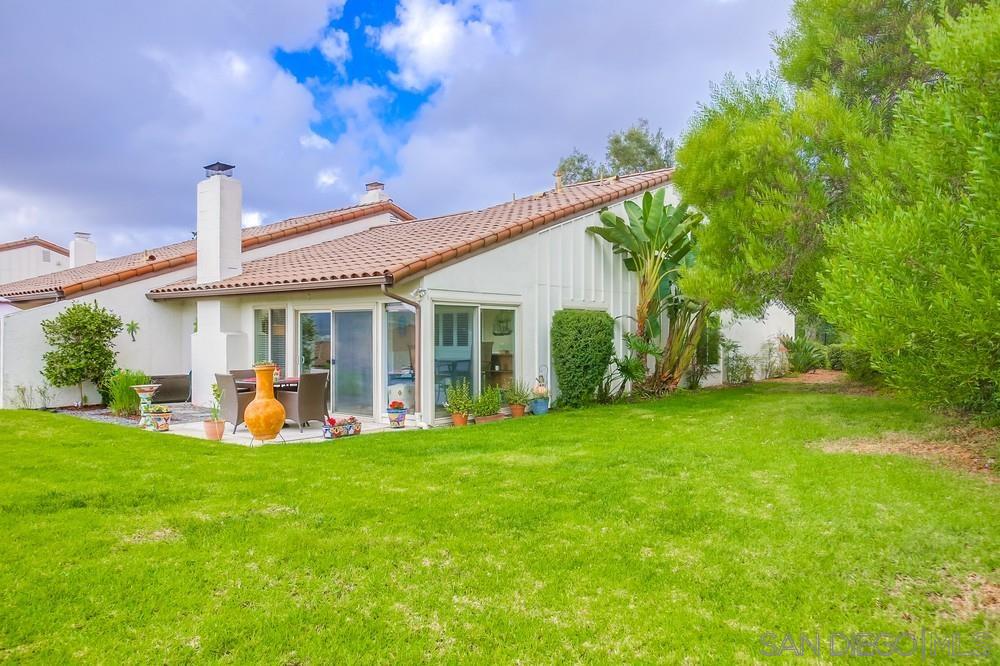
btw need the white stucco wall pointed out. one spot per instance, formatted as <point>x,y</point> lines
<point>25,262</point>
<point>163,344</point>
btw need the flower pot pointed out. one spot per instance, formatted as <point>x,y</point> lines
<point>265,416</point>
<point>489,419</point>
<point>540,406</point>
<point>517,411</point>
<point>460,419</point>
<point>161,420</point>
<point>214,429</point>
<point>397,417</point>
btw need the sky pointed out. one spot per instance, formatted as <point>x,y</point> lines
<point>109,110</point>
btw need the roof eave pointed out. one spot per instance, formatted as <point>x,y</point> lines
<point>55,294</point>
<point>344,283</point>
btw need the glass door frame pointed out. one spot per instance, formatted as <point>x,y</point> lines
<point>332,311</point>
<point>477,342</point>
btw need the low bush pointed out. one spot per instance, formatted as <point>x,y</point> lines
<point>835,356</point>
<point>858,364</point>
<point>488,402</point>
<point>582,347</point>
<point>737,367</point>
<point>804,355</point>
<point>122,398</point>
<point>458,398</point>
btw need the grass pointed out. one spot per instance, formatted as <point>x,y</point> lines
<point>652,532</point>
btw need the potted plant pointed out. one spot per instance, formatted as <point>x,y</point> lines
<point>518,397</point>
<point>397,414</point>
<point>486,408</point>
<point>214,427</point>
<point>160,415</point>
<point>458,402</point>
<point>540,396</point>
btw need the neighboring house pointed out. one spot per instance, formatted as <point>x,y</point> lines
<point>390,306</point>
<point>29,257</point>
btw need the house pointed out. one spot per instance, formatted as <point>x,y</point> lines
<point>29,257</point>
<point>391,306</point>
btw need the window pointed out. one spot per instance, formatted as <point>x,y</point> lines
<point>46,256</point>
<point>269,337</point>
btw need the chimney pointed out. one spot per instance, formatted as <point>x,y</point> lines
<point>82,250</point>
<point>375,193</point>
<point>220,213</point>
<point>559,180</point>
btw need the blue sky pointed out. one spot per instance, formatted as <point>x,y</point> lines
<point>110,108</point>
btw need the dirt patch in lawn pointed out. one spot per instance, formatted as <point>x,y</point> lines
<point>967,448</point>
<point>976,596</point>
<point>163,534</point>
<point>821,376</point>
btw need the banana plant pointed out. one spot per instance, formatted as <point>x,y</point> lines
<point>654,242</point>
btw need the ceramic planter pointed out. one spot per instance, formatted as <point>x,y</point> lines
<point>214,429</point>
<point>540,406</point>
<point>460,419</point>
<point>397,417</point>
<point>161,420</point>
<point>265,416</point>
<point>489,419</point>
<point>517,411</point>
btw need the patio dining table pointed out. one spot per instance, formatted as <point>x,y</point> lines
<point>284,383</point>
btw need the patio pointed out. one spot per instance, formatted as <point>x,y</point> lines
<point>187,420</point>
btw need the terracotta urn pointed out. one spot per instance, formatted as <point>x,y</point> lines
<point>517,411</point>
<point>265,415</point>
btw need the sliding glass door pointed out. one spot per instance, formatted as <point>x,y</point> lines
<point>340,344</point>
<point>352,363</point>
<point>454,357</point>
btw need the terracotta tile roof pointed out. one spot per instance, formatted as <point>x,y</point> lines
<point>387,254</point>
<point>34,240</point>
<point>74,281</point>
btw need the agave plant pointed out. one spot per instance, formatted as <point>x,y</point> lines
<point>804,355</point>
<point>654,242</point>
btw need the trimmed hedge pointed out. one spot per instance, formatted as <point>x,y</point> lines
<point>583,342</point>
<point>858,364</point>
<point>835,356</point>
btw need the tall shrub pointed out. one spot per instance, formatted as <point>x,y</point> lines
<point>82,340</point>
<point>913,281</point>
<point>582,346</point>
<point>122,398</point>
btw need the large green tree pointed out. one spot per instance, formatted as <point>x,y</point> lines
<point>637,148</point>
<point>771,170</point>
<point>864,49</point>
<point>915,280</point>
<point>774,162</point>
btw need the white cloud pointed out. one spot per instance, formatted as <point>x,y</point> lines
<point>432,40</point>
<point>314,141</point>
<point>327,178</point>
<point>336,48</point>
<point>252,218</point>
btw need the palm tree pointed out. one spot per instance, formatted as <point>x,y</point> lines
<point>655,242</point>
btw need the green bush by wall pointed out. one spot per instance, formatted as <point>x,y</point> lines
<point>858,364</point>
<point>582,345</point>
<point>835,356</point>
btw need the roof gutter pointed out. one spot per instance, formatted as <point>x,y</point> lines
<point>372,281</point>
<point>416,342</point>
<point>54,294</point>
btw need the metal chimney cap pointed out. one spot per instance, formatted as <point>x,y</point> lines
<point>82,235</point>
<point>219,169</point>
<point>374,185</point>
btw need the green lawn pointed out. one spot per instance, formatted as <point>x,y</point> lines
<point>652,532</point>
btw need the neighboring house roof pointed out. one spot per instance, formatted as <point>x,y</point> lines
<point>387,254</point>
<point>74,281</point>
<point>34,240</point>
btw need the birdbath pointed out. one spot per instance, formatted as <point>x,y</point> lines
<point>146,392</point>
